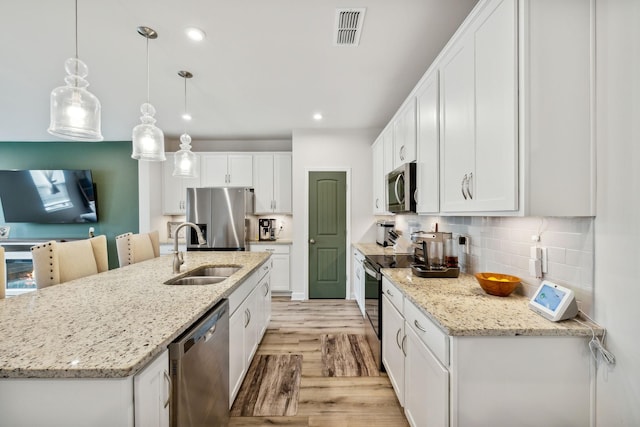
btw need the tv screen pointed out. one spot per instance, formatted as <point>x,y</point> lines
<point>48,196</point>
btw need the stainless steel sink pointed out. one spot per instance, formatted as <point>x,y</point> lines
<point>206,275</point>
<point>198,280</point>
<point>216,270</point>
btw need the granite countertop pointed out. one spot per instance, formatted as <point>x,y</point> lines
<point>111,324</point>
<point>375,249</point>
<point>460,307</point>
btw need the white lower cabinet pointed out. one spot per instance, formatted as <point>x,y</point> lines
<point>426,397</point>
<point>469,381</point>
<point>280,272</point>
<point>359,279</point>
<point>392,346</point>
<point>250,308</point>
<point>151,393</point>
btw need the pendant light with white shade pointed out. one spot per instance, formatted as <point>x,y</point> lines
<point>147,138</point>
<point>185,161</point>
<point>75,112</point>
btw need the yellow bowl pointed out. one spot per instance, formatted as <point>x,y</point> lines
<point>497,284</point>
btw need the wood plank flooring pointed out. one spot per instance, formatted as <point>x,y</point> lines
<point>297,327</point>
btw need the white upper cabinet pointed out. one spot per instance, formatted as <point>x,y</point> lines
<point>428,141</point>
<point>226,170</point>
<point>174,189</point>
<point>404,134</point>
<point>478,89</point>
<point>272,182</point>
<point>387,142</point>
<point>379,203</point>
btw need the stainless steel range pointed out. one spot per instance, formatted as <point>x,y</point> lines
<point>373,296</point>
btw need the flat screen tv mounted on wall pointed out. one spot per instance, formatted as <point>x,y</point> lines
<point>63,196</point>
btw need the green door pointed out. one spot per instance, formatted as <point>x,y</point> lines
<point>327,234</point>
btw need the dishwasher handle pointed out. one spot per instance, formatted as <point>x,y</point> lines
<point>205,329</point>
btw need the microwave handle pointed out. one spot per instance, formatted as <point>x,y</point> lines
<point>398,178</point>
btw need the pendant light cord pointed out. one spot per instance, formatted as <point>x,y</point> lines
<point>185,103</point>
<point>147,69</point>
<point>76,29</point>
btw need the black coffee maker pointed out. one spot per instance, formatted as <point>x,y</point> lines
<point>267,228</point>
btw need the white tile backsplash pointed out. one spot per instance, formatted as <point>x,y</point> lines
<point>502,244</point>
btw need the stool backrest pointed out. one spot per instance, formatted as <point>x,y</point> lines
<point>133,248</point>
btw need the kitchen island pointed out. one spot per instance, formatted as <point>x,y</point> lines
<point>90,337</point>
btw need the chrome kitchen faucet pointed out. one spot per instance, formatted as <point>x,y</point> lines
<point>178,258</point>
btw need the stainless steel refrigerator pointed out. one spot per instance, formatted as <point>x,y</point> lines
<point>221,213</point>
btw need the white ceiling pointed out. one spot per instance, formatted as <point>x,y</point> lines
<point>265,67</point>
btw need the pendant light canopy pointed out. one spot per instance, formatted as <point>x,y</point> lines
<point>75,112</point>
<point>185,161</point>
<point>147,138</point>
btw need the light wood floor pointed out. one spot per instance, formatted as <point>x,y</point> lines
<point>296,327</point>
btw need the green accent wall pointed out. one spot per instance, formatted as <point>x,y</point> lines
<point>114,172</point>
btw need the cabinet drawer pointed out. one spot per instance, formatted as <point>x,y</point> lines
<point>274,249</point>
<point>428,332</point>
<point>395,296</point>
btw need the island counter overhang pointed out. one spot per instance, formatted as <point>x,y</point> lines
<point>112,324</point>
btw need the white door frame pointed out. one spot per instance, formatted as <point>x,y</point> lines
<point>306,226</point>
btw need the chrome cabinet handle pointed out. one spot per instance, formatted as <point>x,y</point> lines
<point>249,311</point>
<point>266,289</point>
<point>464,180</point>
<point>270,250</point>
<point>389,292</point>
<point>247,317</point>
<point>398,342</point>
<point>169,396</point>
<point>377,203</point>
<point>415,322</point>
<point>402,150</point>
<point>469,185</point>
<point>404,339</point>
<point>415,195</point>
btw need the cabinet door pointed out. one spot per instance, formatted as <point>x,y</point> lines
<point>240,170</point>
<point>264,297</point>
<point>404,129</point>
<point>428,141</point>
<point>457,155</point>
<point>387,138</point>
<point>174,189</point>
<point>263,188</point>
<point>496,144</point>
<point>151,393</point>
<point>426,400</point>
<point>379,203</point>
<point>213,169</point>
<point>393,337</point>
<point>251,325</point>
<point>282,183</point>
<point>358,280</point>
<point>280,277</point>
<point>237,362</point>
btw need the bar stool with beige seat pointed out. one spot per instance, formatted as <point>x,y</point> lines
<point>59,262</point>
<point>133,248</point>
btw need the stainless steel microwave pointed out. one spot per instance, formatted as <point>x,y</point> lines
<point>401,189</point>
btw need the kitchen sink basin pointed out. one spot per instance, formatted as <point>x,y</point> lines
<point>217,270</point>
<point>206,275</point>
<point>197,280</point>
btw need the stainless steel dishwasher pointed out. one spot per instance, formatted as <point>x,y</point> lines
<point>200,371</point>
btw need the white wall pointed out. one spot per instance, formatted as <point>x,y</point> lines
<point>617,225</point>
<point>340,149</point>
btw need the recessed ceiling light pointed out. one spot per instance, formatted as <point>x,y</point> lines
<point>317,116</point>
<point>195,34</point>
<point>186,116</point>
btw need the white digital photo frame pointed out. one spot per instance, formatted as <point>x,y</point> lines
<point>554,302</point>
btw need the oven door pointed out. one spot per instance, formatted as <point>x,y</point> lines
<point>373,310</point>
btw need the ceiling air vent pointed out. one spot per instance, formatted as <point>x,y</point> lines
<point>348,27</point>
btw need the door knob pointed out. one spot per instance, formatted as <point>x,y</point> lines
<point>312,241</point>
